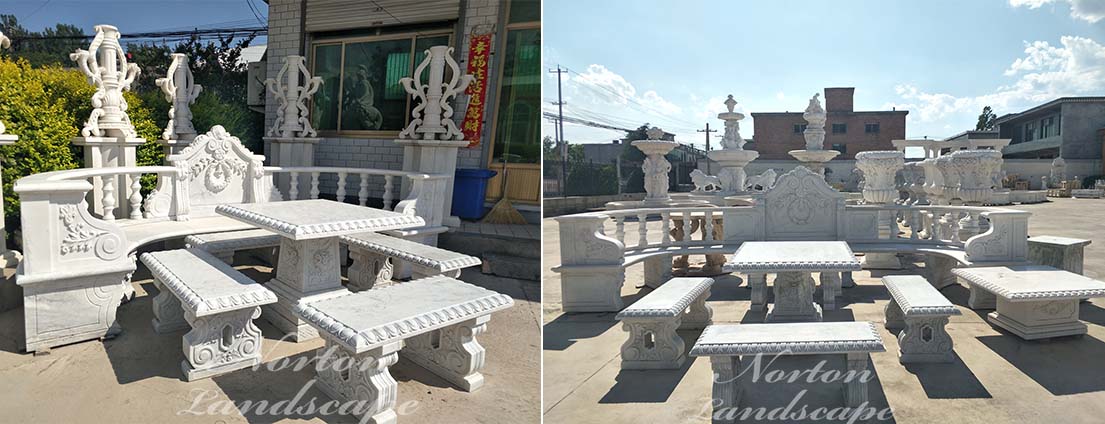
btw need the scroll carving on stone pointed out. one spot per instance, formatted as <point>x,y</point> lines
<point>80,236</point>
<point>432,117</point>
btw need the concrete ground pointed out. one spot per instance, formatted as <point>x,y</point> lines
<point>136,377</point>
<point>996,377</point>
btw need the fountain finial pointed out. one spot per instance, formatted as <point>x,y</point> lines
<point>655,133</point>
<point>730,103</point>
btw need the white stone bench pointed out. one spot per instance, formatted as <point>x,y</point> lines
<point>1087,193</point>
<point>437,319</point>
<point>726,343</point>
<point>216,301</point>
<point>921,312</point>
<point>223,244</point>
<point>374,254</point>
<point>652,322</point>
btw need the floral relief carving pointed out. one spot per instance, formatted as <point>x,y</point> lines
<point>80,237</point>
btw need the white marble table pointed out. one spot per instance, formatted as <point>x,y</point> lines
<point>1031,301</point>
<point>310,268</point>
<point>793,262</point>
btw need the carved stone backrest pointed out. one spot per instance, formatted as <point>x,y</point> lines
<point>802,206</point>
<point>1005,241</point>
<point>218,169</point>
<point>582,241</point>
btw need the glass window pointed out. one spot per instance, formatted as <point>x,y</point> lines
<point>799,128</point>
<point>361,90</point>
<point>840,148</point>
<point>871,128</point>
<point>518,124</point>
<point>840,128</point>
<point>324,110</point>
<point>524,11</point>
<point>1030,131</point>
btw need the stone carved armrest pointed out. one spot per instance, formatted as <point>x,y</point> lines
<point>170,198</point>
<point>426,198</point>
<point>1006,240</point>
<point>582,241</point>
<point>60,235</point>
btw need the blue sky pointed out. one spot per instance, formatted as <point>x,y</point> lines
<point>135,15</point>
<point>672,63</point>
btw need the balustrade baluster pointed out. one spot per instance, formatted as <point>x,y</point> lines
<point>642,229</point>
<point>362,193</point>
<point>340,193</point>
<point>293,186</point>
<point>387,192</point>
<point>709,226</point>
<point>314,185</point>
<point>665,226</point>
<point>915,219</point>
<point>109,198</point>
<point>953,227</point>
<point>686,227</point>
<point>619,228</point>
<point>136,197</point>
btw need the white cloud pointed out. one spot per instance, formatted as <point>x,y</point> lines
<point>1076,67</point>
<point>780,96</point>
<point>614,89</point>
<point>1088,10</point>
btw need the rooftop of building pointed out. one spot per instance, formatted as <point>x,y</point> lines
<point>1073,99</point>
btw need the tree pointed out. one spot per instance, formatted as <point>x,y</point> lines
<point>986,119</point>
<point>52,46</point>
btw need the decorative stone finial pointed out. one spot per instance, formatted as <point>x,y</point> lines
<point>432,117</point>
<point>292,116</point>
<point>730,103</point>
<point>105,65</point>
<point>180,91</point>
<point>731,139</point>
<point>655,133</point>
<point>815,129</point>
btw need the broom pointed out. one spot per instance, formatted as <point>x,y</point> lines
<point>503,212</point>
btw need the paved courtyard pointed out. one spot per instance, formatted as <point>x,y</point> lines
<point>136,377</point>
<point>996,377</point>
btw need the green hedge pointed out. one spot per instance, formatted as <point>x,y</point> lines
<point>46,107</point>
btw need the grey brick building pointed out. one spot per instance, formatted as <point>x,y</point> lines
<point>362,48</point>
<point>1068,126</point>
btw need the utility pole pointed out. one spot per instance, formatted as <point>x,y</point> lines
<point>560,123</point>
<point>707,131</point>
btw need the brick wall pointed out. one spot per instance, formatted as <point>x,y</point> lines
<point>285,39</point>
<point>774,133</point>
<point>839,99</point>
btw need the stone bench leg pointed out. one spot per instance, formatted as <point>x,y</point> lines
<point>830,281</point>
<point>698,315</point>
<point>846,281</point>
<point>368,269</point>
<point>657,270</point>
<point>225,256</point>
<point>925,339</point>
<point>939,270</point>
<point>727,389</point>
<point>981,298</point>
<point>855,387</point>
<point>895,319</point>
<point>168,315</point>
<point>652,344</point>
<point>452,353</point>
<point>347,377</point>
<point>221,343</point>
<point>758,283</point>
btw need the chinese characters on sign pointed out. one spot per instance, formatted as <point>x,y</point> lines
<point>479,49</point>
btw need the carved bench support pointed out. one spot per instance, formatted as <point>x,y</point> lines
<point>347,377</point>
<point>221,343</point>
<point>168,315</point>
<point>925,339</point>
<point>855,388</point>
<point>652,344</point>
<point>938,269</point>
<point>452,353</point>
<point>592,288</point>
<point>830,288</point>
<point>368,269</point>
<point>657,270</point>
<point>727,389</point>
<point>758,284</point>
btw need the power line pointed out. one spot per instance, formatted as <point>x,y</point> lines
<point>256,13</point>
<point>162,34</point>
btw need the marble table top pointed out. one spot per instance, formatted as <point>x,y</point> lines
<point>318,218</point>
<point>368,319</point>
<point>790,256</point>
<point>798,338</point>
<point>1029,283</point>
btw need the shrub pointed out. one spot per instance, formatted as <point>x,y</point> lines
<point>46,107</point>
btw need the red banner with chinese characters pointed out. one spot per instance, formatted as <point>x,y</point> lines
<point>479,49</point>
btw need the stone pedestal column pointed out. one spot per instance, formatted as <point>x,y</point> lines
<point>879,169</point>
<point>9,258</point>
<point>292,139</point>
<point>433,157</point>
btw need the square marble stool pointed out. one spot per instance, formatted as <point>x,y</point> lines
<point>1031,301</point>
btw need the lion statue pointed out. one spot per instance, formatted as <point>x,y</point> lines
<point>703,182</point>
<point>762,182</point>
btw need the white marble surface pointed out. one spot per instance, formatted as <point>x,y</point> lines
<point>917,297</point>
<point>670,299</point>
<point>318,218</point>
<point>805,338</point>
<point>786,256</point>
<point>1032,283</point>
<point>204,283</point>
<point>365,320</point>
<point>424,255</point>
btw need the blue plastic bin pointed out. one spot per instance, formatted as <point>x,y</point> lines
<point>469,190</point>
